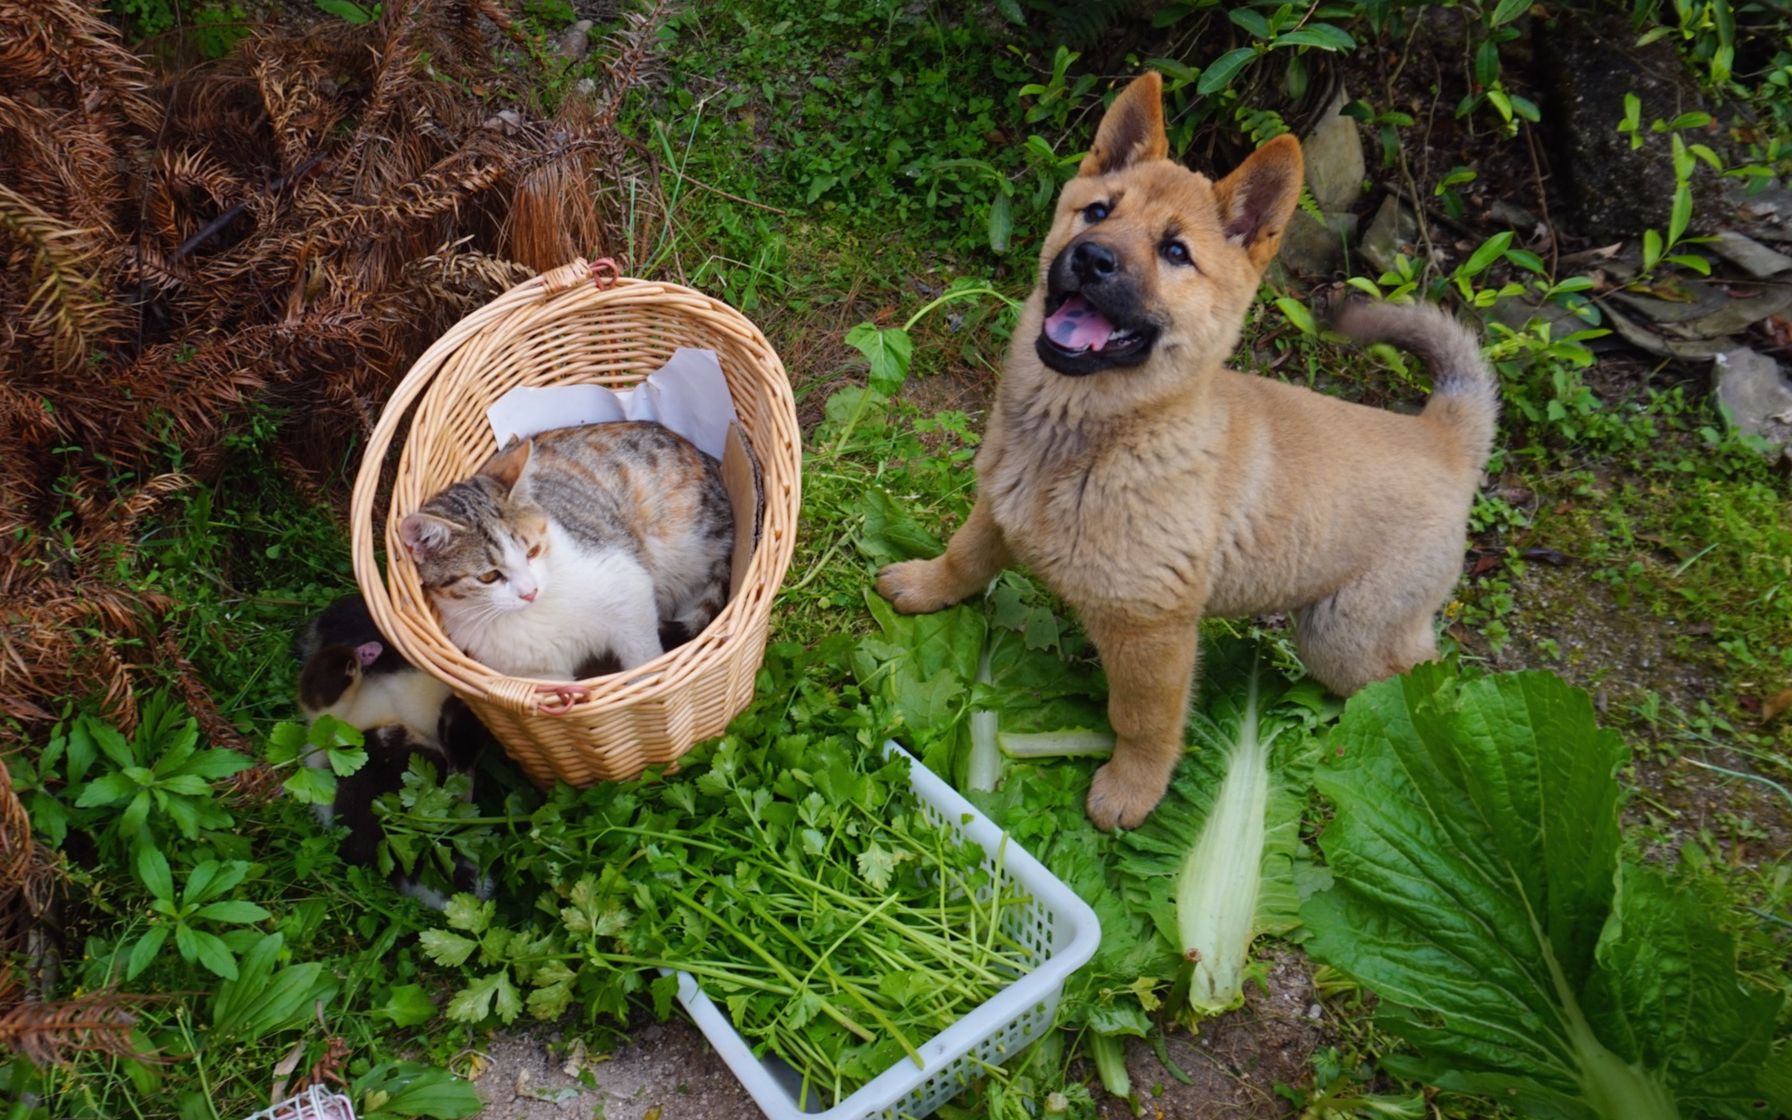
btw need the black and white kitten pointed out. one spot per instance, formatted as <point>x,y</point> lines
<point>349,671</point>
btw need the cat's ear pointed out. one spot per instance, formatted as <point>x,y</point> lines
<point>424,533</point>
<point>506,467</point>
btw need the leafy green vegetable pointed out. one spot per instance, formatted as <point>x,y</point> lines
<point>1214,864</point>
<point>793,874</point>
<point>1480,891</point>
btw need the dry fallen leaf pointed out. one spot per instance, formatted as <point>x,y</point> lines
<point>1776,704</point>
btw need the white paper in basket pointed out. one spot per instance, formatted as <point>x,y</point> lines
<point>688,394</point>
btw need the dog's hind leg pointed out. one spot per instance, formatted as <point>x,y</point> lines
<point>974,556</point>
<point>1150,665</point>
<point>1357,636</point>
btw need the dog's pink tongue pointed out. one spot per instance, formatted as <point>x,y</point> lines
<point>1077,326</point>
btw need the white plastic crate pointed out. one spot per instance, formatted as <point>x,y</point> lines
<point>315,1103</point>
<point>1058,930</point>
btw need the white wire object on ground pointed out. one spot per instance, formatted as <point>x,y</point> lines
<point>315,1103</point>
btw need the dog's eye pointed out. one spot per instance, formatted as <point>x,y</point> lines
<point>1176,252</point>
<point>492,576</point>
<point>1095,211</point>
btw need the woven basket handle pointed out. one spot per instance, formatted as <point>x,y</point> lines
<point>543,699</point>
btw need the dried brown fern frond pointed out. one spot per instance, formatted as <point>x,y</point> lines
<point>71,149</point>
<point>66,306</point>
<point>16,843</point>
<point>62,45</point>
<point>52,1033</point>
<point>629,59</point>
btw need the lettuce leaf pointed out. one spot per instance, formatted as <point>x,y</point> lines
<point>1478,888</point>
<point>1213,866</point>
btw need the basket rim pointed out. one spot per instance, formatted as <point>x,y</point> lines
<point>402,612</point>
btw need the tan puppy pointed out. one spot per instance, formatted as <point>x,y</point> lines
<point>1149,485</point>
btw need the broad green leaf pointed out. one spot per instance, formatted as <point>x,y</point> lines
<point>1001,221</point>
<point>346,10</point>
<point>1477,890</point>
<point>890,532</point>
<point>889,351</point>
<point>233,911</point>
<point>286,743</point>
<point>106,737</point>
<point>262,1000</point>
<point>1508,10</point>
<point>185,785</point>
<point>1223,70</point>
<point>106,790</point>
<point>1252,22</point>
<point>1651,249</point>
<point>145,951</point>
<point>446,948</point>
<point>407,1089</point>
<point>408,1005</point>
<point>81,750</point>
<point>214,954</point>
<point>1297,313</point>
<point>1680,216</point>
<point>345,760</point>
<point>1324,36</point>
<point>1491,250</point>
<point>152,869</point>
<point>468,912</point>
<point>313,785</point>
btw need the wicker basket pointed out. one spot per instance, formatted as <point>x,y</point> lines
<point>563,328</point>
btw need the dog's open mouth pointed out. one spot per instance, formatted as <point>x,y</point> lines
<point>1079,339</point>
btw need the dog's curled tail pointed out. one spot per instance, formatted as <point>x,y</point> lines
<point>1464,390</point>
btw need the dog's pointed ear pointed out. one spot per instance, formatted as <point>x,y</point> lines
<point>1132,130</point>
<point>1258,198</point>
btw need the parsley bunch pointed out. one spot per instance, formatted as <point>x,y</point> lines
<point>797,879</point>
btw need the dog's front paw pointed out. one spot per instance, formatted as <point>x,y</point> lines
<point>1122,796</point>
<point>914,586</point>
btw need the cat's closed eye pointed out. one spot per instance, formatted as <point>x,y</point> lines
<point>492,576</point>
<point>534,552</point>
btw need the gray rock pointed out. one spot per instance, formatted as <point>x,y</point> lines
<point>1650,342</point>
<point>1394,226</point>
<point>1755,395</point>
<point>575,41</point>
<point>1748,254</point>
<point>1739,312</point>
<point>1313,249</point>
<point>1334,157</point>
<point>1589,64</point>
<point>1518,312</point>
<point>1700,300</point>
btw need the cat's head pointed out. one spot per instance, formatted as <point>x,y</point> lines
<point>479,546</point>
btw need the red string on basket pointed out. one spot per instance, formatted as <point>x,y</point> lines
<point>561,699</point>
<point>605,272</point>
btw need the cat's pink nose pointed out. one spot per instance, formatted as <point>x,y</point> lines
<point>529,595</point>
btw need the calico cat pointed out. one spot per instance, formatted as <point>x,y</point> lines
<point>577,546</point>
<point>349,671</point>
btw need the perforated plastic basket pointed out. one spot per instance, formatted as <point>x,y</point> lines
<point>1058,930</point>
<point>315,1103</point>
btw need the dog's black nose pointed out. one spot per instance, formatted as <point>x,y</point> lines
<point>1093,262</point>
